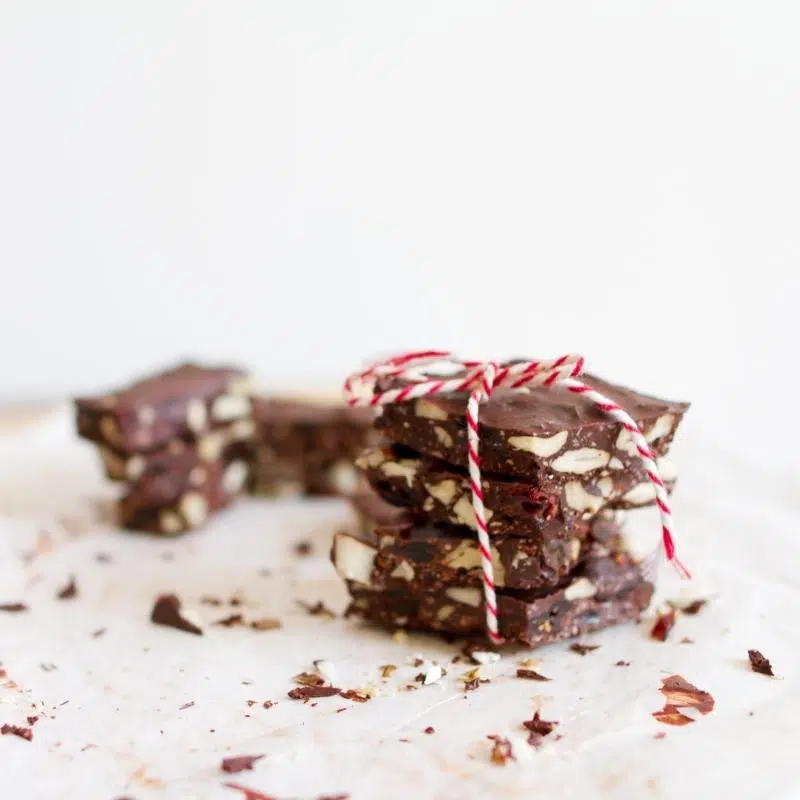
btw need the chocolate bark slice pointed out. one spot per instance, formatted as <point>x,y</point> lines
<point>607,590</point>
<point>543,510</point>
<point>536,433</point>
<point>186,400</point>
<point>307,445</point>
<point>393,550</point>
<point>144,507</point>
<point>181,455</point>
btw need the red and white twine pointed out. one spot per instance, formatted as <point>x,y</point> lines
<point>480,380</point>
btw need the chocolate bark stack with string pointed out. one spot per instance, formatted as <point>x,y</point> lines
<point>557,463</point>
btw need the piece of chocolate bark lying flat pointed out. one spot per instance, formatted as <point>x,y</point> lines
<point>543,510</point>
<point>606,591</point>
<point>536,431</point>
<point>394,551</point>
<point>186,400</point>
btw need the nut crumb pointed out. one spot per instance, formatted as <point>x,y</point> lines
<point>356,695</point>
<point>502,751</point>
<point>387,670</point>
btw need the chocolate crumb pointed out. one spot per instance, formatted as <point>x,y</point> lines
<point>265,624</point>
<point>695,607</point>
<point>251,703</point>
<point>471,685</point>
<point>531,675</point>
<point>660,735</point>
<point>663,625</point>
<point>686,640</point>
<point>13,608</point>
<point>210,600</point>
<point>167,611</point>
<point>32,720</point>
<point>760,664</point>
<point>318,609</point>
<point>502,752</point>
<point>102,558</point>
<point>417,661</point>
<point>231,621</point>
<point>538,728</point>
<point>429,730</point>
<point>305,692</point>
<point>268,704</point>
<point>98,633</point>
<point>47,667</point>
<point>236,764</point>
<point>583,649</point>
<point>343,708</point>
<point>186,705</point>
<point>404,740</point>
<point>356,696</point>
<point>303,548</point>
<point>17,730</point>
<point>236,600</point>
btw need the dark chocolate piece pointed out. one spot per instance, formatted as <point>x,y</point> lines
<point>307,445</point>
<point>759,663</point>
<point>533,434</point>
<point>608,590</point>
<point>16,730</point>
<point>513,507</point>
<point>393,550</point>
<point>188,399</point>
<point>167,611</point>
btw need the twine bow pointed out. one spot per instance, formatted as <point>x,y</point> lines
<point>420,379</point>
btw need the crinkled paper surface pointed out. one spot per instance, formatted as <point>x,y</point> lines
<point>111,723</point>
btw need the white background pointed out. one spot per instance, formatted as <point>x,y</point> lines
<point>300,185</point>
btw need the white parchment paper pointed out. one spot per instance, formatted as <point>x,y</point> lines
<point>111,723</point>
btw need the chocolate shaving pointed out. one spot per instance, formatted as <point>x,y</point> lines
<point>583,649</point>
<point>231,621</point>
<point>538,728</point>
<point>236,764</point>
<point>318,609</point>
<point>70,591</point>
<point>13,608</point>
<point>265,624</point>
<point>622,663</point>
<point>17,730</point>
<point>306,692</point>
<point>682,694</point>
<point>663,625</point>
<point>760,664</point>
<point>502,752</point>
<point>356,696</point>
<point>167,611</point>
<point>531,675</point>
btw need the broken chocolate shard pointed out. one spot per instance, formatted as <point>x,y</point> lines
<point>69,591</point>
<point>583,649</point>
<point>306,692</point>
<point>236,764</point>
<point>759,663</point>
<point>663,625</point>
<point>356,696</point>
<point>538,728</point>
<point>16,730</point>
<point>167,611</point>
<point>230,621</point>
<point>13,608</point>
<point>531,675</point>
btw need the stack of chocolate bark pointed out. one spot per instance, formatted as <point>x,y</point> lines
<point>307,445</point>
<point>179,441</point>
<point>554,468</point>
